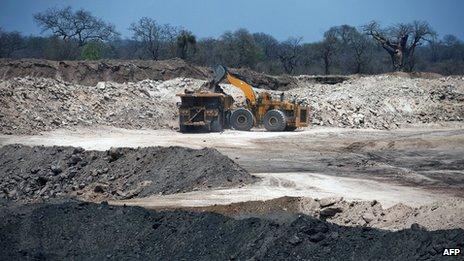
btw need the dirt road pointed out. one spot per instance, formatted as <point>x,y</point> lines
<point>413,166</point>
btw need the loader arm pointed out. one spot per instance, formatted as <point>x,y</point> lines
<point>245,87</point>
<point>221,72</point>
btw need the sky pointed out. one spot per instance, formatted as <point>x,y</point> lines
<point>281,18</point>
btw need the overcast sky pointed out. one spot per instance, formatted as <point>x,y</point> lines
<point>280,18</point>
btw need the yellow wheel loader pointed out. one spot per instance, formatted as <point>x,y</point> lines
<point>210,109</point>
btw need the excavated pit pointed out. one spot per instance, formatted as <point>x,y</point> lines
<point>39,95</point>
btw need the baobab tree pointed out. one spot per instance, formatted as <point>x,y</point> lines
<point>400,41</point>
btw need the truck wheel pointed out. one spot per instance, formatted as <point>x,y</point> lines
<point>184,129</point>
<point>216,125</point>
<point>274,120</point>
<point>290,128</point>
<point>241,119</point>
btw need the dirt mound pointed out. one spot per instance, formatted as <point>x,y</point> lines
<point>30,105</point>
<point>264,81</point>
<point>92,72</point>
<point>383,101</point>
<point>448,214</point>
<point>120,71</point>
<point>33,173</point>
<point>75,230</point>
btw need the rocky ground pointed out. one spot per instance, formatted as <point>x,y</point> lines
<point>384,101</point>
<point>41,219</point>
<point>37,173</point>
<point>74,230</point>
<point>33,104</point>
<point>30,105</point>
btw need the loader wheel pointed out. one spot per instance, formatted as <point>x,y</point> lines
<point>241,119</point>
<point>274,120</point>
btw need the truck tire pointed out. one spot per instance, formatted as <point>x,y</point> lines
<point>216,125</point>
<point>184,128</point>
<point>241,119</point>
<point>290,128</point>
<point>274,120</point>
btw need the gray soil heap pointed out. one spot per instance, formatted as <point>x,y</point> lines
<point>33,173</point>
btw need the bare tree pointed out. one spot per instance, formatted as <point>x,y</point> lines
<point>153,36</point>
<point>289,53</point>
<point>268,44</point>
<point>81,25</point>
<point>186,42</point>
<point>362,48</point>
<point>328,49</point>
<point>10,42</point>
<point>400,41</point>
<point>356,46</point>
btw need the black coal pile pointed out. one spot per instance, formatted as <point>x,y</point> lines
<point>77,231</point>
<point>30,173</point>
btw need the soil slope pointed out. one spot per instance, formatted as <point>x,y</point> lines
<point>447,214</point>
<point>120,71</point>
<point>92,72</point>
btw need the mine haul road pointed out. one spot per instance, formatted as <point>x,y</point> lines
<point>414,166</point>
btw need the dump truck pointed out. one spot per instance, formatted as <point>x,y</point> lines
<point>210,109</point>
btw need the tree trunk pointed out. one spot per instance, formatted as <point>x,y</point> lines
<point>326,66</point>
<point>358,67</point>
<point>397,60</point>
